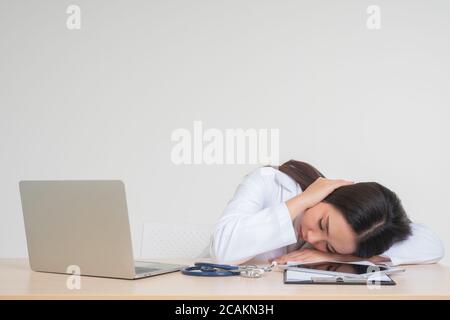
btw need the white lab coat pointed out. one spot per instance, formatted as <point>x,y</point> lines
<point>256,224</point>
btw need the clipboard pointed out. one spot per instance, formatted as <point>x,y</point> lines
<point>310,278</point>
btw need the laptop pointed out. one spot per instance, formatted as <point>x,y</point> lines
<point>82,225</point>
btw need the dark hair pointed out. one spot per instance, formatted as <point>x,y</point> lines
<point>373,211</point>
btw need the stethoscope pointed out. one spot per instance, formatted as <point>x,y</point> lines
<point>203,269</point>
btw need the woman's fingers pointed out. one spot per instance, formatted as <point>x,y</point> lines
<point>320,189</point>
<point>342,182</point>
<point>305,255</point>
<point>294,256</point>
<point>334,184</point>
<point>295,259</point>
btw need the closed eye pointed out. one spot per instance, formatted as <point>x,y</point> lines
<point>328,248</point>
<point>320,224</point>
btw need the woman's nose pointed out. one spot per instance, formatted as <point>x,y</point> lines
<point>313,237</point>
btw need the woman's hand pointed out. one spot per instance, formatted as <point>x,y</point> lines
<point>320,189</point>
<point>307,255</point>
<point>315,193</point>
<point>313,255</point>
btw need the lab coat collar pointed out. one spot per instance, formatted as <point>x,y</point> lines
<point>286,181</point>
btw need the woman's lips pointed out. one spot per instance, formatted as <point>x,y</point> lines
<point>300,232</point>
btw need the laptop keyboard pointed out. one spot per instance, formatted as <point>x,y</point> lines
<point>140,270</point>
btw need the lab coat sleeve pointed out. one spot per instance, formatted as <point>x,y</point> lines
<point>421,247</point>
<point>246,228</point>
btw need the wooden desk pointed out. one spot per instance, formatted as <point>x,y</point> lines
<point>17,281</point>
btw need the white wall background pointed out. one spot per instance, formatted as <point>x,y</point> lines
<point>102,102</point>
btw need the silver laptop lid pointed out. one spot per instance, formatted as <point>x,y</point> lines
<point>82,223</point>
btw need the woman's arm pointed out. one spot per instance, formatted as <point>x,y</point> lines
<point>423,246</point>
<point>314,255</point>
<point>246,228</point>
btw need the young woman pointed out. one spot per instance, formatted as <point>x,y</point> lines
<point>293,213</point>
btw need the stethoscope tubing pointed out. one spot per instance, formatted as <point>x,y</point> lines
<point>201,269</point>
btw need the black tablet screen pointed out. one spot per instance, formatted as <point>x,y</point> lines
<point>341,267</point>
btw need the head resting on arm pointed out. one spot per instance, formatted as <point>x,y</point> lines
<point>364,219</point>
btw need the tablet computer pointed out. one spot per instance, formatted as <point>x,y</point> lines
<point>342,269</point>
<point>298,277</point>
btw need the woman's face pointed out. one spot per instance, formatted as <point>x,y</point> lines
<point>325,228</point>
